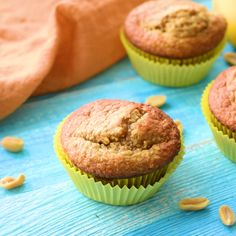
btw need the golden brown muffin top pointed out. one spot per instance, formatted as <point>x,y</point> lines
<point>222,98</point>
<point>174,28</point>
<point>119,139</point>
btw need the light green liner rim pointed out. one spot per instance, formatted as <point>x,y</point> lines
<point>171,73</point>
<point>224,141</point>
<point>106,193</point>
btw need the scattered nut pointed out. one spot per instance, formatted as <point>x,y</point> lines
<point>226,215</point>
<point>179,125</point>
<point>156,100</point>
<point>230,58</point>
<point>9,182</point>
<point>193,204</point>
<point>12,144</point>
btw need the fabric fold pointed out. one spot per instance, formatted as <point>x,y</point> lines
<point>49,45</point>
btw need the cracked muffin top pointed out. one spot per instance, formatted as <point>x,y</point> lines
<point>222,98</point>
<point>119,139</point>
<point>176,29</point>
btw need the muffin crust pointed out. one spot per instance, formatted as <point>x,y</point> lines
<point>222,98</point>
<point>178,29</point>
<point>119,139</point>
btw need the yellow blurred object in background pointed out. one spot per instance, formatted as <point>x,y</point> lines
<point>228,9</point>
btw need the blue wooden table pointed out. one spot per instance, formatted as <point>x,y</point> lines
<point>49,204</point>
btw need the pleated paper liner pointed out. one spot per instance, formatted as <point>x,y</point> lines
<point>222,128</point>
<point>143,180</point>
<point>131,191</point>
<point>170,72</point>
<point>225,139</point>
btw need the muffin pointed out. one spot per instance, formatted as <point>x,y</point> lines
<point>222,100</point>
<point>119,152</point>
<point>173,42</point>
<point>219,107</point>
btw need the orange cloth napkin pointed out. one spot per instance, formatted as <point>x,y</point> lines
<point>50,45</point>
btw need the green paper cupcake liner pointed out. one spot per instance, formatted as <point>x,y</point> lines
<point>170,72</point>
<point>225,139</point>
<point>131,190</point>
<point>221,127</point>
<point>143,180</point>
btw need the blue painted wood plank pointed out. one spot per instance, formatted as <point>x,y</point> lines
<point>61,210</point>
<point>49,204</point>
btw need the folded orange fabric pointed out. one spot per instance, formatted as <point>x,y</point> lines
<point>49,45</point>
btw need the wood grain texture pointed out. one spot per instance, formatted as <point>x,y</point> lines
<point>49,204</point>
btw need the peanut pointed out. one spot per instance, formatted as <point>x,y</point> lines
<point>226,215</point>
<point>9,182</point>
<point>193,204</point>
<point>230,58</point>
<point>12,144</point>
<point>156,100</point>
